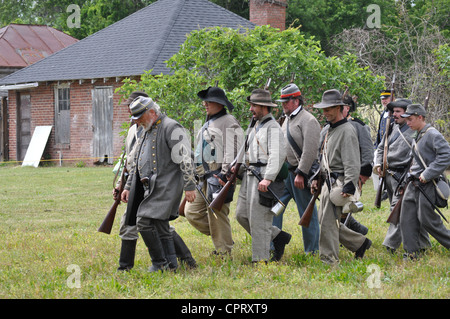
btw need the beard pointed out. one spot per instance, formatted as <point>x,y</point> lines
<point>148,125</point>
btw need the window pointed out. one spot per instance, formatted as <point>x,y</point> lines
<point>63,99</point>
<point>62,114</point>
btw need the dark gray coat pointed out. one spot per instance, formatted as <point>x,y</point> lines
<point>158,158</point>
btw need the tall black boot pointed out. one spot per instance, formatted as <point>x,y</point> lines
<point>127,254</point>
<point>169,250</point>
<point>155,249</point>
<point>279,244</point>
<point>182,251</point>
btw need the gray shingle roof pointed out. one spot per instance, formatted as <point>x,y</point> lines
<point>142,41</point>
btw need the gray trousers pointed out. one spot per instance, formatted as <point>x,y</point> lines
<point>418,212</point>
<point>127,232</point>
<point>330,234</point>
<point>393,237</point>
<point>255,218</point>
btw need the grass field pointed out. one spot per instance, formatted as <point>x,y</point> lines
<point>50,249</point>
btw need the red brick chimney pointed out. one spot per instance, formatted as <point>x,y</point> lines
<point>269,12</point>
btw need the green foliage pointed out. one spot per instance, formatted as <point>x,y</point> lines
<point>243,60</point>
<point>94,14</point>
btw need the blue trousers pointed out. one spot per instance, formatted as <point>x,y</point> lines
<point>301,198</point>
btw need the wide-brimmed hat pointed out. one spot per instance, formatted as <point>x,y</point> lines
<point>414,109</point>
<point>139,106</point>
<point>216,94</point>
<point>288,92</point>
<point>261,97</point>
<point>384,94</point>
<point>403,103</point>
<point>133,96</point>
<point>330,98</point>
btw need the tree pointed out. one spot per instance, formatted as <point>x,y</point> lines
<point>412,48</point>
<point>242,60</point>
<point>94,14</point>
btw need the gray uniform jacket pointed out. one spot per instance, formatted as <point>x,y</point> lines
<point>399,152</point>
<point>343,153</point>
<point>364,142</point>
<point>267,147</point>
<point>222,138</point>
<point>434,150</point>
<point>305,131</point>
<point>158,158</point>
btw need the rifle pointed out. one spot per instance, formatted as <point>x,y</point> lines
<point>394,216</point>
<point>181,207</point>
<point>307,214</point>
<point>381,184</point>
<point>108,222</point>
<point>218,202</point>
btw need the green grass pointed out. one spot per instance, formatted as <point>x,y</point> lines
<point>49,219</point>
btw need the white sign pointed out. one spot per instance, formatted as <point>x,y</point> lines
<point>37,146</point>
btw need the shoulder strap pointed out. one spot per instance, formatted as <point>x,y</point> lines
<point>292,142</point>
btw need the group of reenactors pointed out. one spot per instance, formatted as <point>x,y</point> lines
<point>276,161</point>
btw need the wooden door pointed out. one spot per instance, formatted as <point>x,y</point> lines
<point>23,124</point>
<point>102,120</point>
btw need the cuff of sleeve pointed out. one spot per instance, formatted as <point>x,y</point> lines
<point>366,170</point>
<point>349,188</point>
<point>299,172</point>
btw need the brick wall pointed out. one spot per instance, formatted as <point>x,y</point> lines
<point>269,12</point>
<point>81,132</point>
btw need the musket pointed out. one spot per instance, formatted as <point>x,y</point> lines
<point>394,216</point>
<point>108,222</point>
<point>345,93</point>
<point>218,202</point>
<point>416,151</point>
<point>266,87</point>
<point>181,207</point>
<point>381,184</point>
<point>305,220</point>
<point>429,200</point>
<point>427,99</point>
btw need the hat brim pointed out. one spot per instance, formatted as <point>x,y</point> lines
<point>203,95</point>
<point>401,104</point>
<point>224,103</point>
<point>324,105</point>
<point>138,116</point>
<point>263,103</point>
<point>282,100</point>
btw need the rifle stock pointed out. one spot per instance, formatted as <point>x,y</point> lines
<point>394,216</point>
<point>379,192</point>
<point>307,214</point>
<point>181,207</point>
<point>218,202</point>
<point>108,222</point>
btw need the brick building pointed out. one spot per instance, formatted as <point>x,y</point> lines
<point>73,90</point>
<point>22,45</point>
